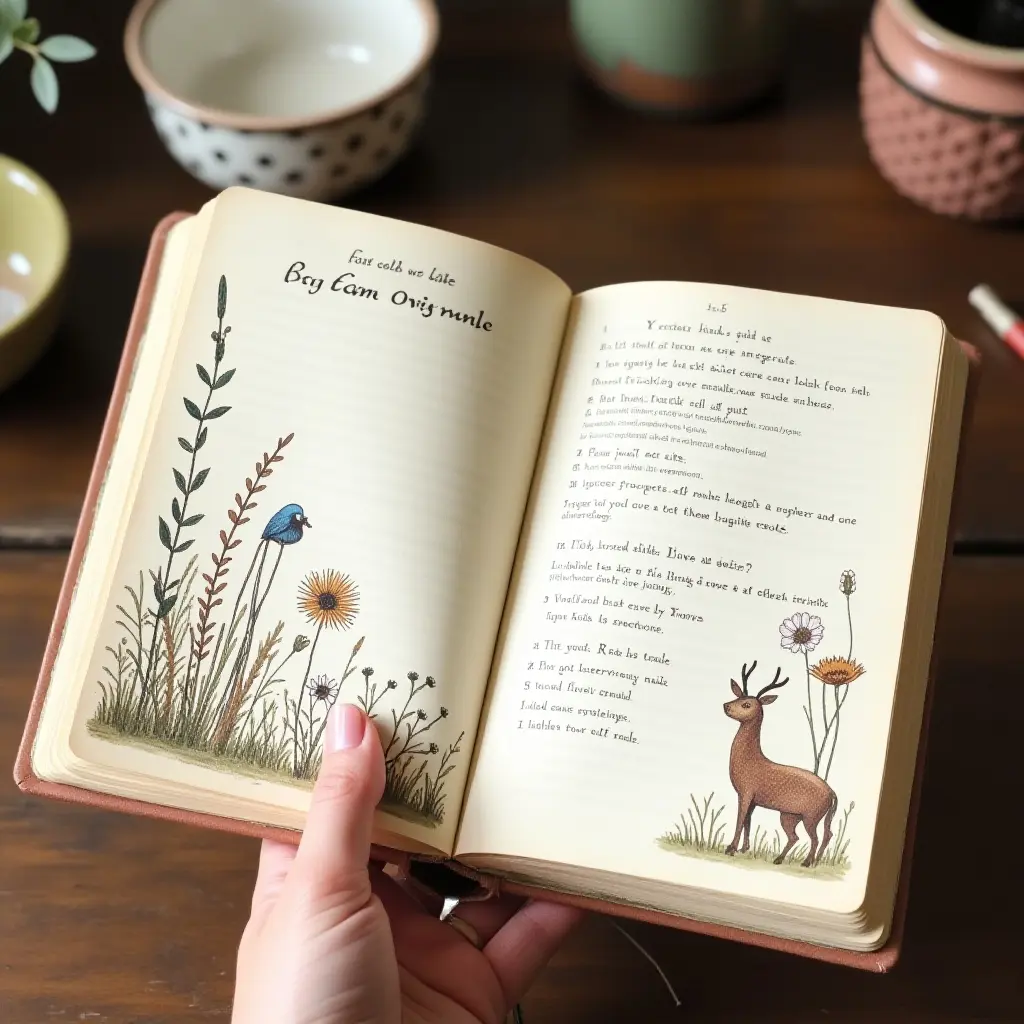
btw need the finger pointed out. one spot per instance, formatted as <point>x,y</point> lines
<point>488,917</point>
<point>527,942</point>
<point>485,917</point>
<point>335,847</point>
<point>437,955</point>
<point>275,862</point>
<point>411,923</point>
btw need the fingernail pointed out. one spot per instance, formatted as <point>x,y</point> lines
<point>345,727</point>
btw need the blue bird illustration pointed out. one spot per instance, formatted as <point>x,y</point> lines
<point>286,526</point>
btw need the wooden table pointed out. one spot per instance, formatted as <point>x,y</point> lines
<point>113,919</point>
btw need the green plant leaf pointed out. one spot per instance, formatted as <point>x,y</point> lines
<point>44,84</point>
<point>193,409</point>
<point>184,444</point>
<point>202,439</point>
<point>67,49</point>
<point>192,520</point>
<point>27,31</point>
<point>199,480</point>
<point>166,605</point>
<point>6,44</point>
<point>12,12</point>
<point>219,411</point>
<point>203,375</point>
<point>179,479</point>
<point>224,378</point>
<point>181,547</point>
<point>175,510</point>
<point>165,533</point>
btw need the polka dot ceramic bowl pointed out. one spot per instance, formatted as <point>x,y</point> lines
<point>309,98</point>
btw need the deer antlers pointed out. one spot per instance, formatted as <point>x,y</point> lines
<point>747,673</point>
<point>773,685</point>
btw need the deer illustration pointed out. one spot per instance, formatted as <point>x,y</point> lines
<point>797,794</point>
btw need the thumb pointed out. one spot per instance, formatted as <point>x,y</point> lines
<point>335,847</point>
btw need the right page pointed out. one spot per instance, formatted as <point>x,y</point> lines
<point>720,548</point>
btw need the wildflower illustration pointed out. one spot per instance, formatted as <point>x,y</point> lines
<point>328,600</point>
<point>802,633</point>
<point>410,790</point>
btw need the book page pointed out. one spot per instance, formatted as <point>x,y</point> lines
<point>728,507</point>
<point>326,508</point>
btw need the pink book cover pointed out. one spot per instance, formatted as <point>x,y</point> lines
<point>880,960</point>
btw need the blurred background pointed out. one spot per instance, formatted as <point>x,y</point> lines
<point>112,919</point>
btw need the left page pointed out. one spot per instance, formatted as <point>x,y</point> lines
<point>322,503</point>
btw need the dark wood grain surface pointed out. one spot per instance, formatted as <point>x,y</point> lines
<point>519,152</point>
<point>117,919</point>
<point>112,919</point>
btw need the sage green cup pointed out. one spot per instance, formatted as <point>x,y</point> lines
<point>683,56</point>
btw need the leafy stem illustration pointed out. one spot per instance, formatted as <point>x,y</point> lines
<point>840,701</point>
<point>847,585</point>
<point>408,783</point>
<point>164,587</point>
<point>215,583</point>
<point>433,788</point>
<point>809,712</point>
<point>371,695</point>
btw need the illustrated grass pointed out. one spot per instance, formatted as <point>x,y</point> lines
<point>701,832</point>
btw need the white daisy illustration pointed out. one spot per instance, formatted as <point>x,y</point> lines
<point>801,632</point>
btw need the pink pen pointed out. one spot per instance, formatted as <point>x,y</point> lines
<point>1003,320</point>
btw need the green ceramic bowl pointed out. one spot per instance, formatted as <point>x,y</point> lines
<point>34,245</point>
<point>683,56</point>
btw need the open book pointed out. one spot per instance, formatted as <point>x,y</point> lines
<point>639,585</point>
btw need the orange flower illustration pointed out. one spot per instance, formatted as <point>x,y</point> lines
<point>837,671</point>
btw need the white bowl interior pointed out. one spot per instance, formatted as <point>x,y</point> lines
<point>283,58</point>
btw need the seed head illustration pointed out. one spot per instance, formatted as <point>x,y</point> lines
<point>286,526</point>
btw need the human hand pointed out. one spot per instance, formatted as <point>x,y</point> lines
<point>331,940</point>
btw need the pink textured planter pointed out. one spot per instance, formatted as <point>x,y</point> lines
<point>943,116</point>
